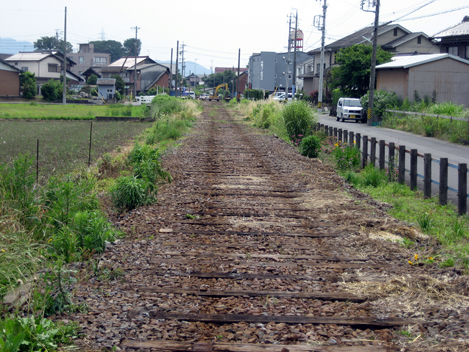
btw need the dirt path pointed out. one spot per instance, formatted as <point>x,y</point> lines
<point>256,248</point>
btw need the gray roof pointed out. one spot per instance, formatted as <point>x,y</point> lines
<point>357,37</point>
<point>11,66</point>
<point>106,81</point>
<point>459,29</point>
<point>416,60</point>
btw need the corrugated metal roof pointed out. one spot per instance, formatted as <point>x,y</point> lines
<point>33,56</point>
<point>130,61</point>
<point>106,81</point>
<point>459,29</point>
<point>411,61</point>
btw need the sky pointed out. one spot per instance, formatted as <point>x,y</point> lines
<point>213,31</point>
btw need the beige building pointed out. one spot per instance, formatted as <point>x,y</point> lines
<point>445,74</point>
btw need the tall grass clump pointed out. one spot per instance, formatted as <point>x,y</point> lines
<point>162,105</point>
<point>298,117</point>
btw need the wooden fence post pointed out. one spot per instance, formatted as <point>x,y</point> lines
<point>326,129</point>
<point>330,131</point>
<point>373,151</point>
<point>365,151</point>
<point>351,137</point>
<point>401,164</point>
<point>427,175</point>
<point>462,189</point>
<point>340,136</point>
<point>413,169</point>
<point>443,181</point>
<point>358,138</point>
<point>345,139</point>
<point>335,133</point>
<point>382,154</point>
<point>391,170</point>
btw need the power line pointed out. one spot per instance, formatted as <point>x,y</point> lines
<point>435,14</point>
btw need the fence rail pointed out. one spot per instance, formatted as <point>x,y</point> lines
<point>369,155</point>
<point>424,114</point>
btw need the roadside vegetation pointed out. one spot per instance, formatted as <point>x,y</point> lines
<point>46,226</point>
<point>440,222</point>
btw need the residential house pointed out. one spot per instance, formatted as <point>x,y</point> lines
<point>86,58</point>
<point>149,73</point>
<point>270,71</point>
<point>107,87</point>
<point>9,79</point>
<point>444,74</point>
<point>455,40</point>
<point>242,81</point>
<point>392,37</point>
<point>46,65</point>
<point>192,80</point>
<point>303,69</point>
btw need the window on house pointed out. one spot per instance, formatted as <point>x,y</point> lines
<point>24,69</point>
<point>53,67</point>
<point>81,59</point>
<point>100,60</point>
<point>275,60</point>
<point>453,50</point>
<point>419,40</point>
<point>395,32</point>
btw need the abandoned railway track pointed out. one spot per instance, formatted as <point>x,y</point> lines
<point>255,248</point>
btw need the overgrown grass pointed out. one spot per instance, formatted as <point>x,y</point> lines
<point>45,226</point>
<point>441,222</point>
<point>51,111</point>
<point>442,128</point>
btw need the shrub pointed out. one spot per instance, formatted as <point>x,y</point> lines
<point>347,157</point>
<point>130,192</point>
<point>92,80</point>
<point>298,117</point>
<point>382,100</point>
<point>253,94</point>
<point>92,231</point>
<point>165,105</point>
<point>28,83</point>
<point>52,90</point>
<point>310,146</point>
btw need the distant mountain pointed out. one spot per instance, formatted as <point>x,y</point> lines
<point>12,46</point>
<point>190,68</point>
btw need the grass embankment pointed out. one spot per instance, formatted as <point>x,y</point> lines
<point>44,227</point>
<point>430,126</point>
<point>441,222</point>
<point>36,111</point>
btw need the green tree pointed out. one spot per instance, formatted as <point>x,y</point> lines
<point>120,84</point>
<point>28,84</point>
<point>52,43</point>
<point>112,47</point>
<point>93,79</point>
<point>130,48</point>
<point>353,74</point>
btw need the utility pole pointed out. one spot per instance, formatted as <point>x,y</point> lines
<point>177,60</point>
<point>287,62</point>
<point>170,73</point>
<point>238,89</point>
<point>294,57</point>
<point>370,117</point>
<point>64,72</point>
<point>135,67</point>
<point>321,68</point>
<point>183,65</point>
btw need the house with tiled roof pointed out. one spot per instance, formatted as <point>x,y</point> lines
<point>455,40</point>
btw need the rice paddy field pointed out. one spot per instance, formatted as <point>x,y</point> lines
<point>63,144</point>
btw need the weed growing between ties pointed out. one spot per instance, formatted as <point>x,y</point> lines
<point>45,226</point>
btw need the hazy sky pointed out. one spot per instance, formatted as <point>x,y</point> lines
<point>212,31</point>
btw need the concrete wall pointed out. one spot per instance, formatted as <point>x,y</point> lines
<point>393,80</point>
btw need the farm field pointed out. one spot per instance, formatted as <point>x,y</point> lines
<point>51,111</point>
<point>63,145</point>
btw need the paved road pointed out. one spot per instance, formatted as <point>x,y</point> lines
<point>439,149</point>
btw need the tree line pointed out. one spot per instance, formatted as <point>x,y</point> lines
<point>130,47</point>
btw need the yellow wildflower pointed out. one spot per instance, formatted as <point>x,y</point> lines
<point>3,250</point>
<point>50,240</point>
<point>430,258</point>
<point>416,257</point>
<point>411,263</point>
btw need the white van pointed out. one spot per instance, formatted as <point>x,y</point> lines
<point>350,109</point>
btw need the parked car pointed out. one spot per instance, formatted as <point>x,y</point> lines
<point>280,96</point>
<point>203,96</point>
<point>350,109</point>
